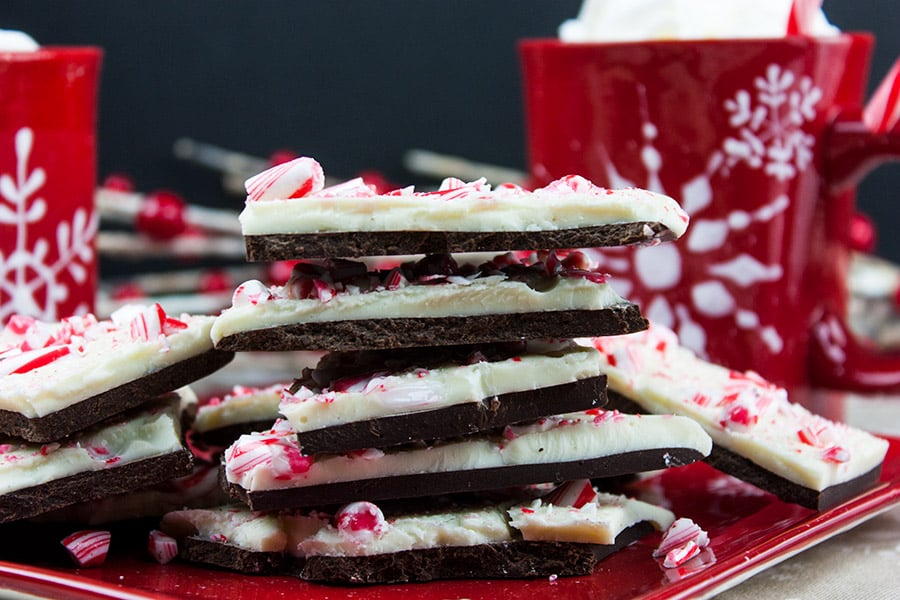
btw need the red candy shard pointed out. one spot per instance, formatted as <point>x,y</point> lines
<point>162,547</point>
<point>88,548</point>
<point>360,517</point>
<point>118,182</point>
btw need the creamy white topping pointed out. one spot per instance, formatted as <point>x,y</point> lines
<point>596,522</point>
<point>273,460</point>
<point>369,533</point>
<point>740,411</point>
<point>418,390</point>
<point>258,307</point>
<point>155,431</point>
<point>242,405</point>
<point>45,367</point>
<point>301,205</point>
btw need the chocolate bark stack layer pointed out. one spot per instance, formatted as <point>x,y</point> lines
<point>447,373</point>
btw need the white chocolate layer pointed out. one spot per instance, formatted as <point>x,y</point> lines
<point>241,405</point>
<point>568,203</point>
<point>155,431</point>
<point>597,522</point>
<point>95,356</point>
<point>271,307</point>
<point>272,460</point>
<point>419,390</point>
<point>740,411</point>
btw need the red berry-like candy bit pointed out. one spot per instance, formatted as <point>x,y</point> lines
<point>161,215</point>
<point>216,280</point>
<point>119,182</point>
<point>862,233</point>
<point>88,548</point>
<point>162,547</point>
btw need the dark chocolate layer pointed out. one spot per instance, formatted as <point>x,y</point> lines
<point>228,556</point>
<point>746,470</point>
<point>90,485</point>
<point>274,247</point>
<point>510,560</point>
<point>431,484</point>
<point>89,411</point>
<point>379,334</point>
<point>457,420</point>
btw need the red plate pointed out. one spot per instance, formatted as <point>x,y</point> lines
<point>749,531</point>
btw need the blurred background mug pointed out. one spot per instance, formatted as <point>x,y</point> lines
<point>761,141</point>
<point>48,226</point>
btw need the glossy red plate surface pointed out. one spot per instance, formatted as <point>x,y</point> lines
<point>749,531</point>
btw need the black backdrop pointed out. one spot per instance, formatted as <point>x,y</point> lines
<point>354,84</point>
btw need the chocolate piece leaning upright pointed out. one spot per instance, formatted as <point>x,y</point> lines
<point>59,378</point>
<point>289,214</point>
<point>759,435</point>
<point>438,300</point>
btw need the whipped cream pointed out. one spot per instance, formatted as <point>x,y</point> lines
<point>154,431</point>
<point>740,411</point>
<point>640,20</point>
<point>256,306</point>
<point>315,534</point>
<point>17,41</point>
<point>273,460</point>
<point>567,203</point>
<point>418,389</point>
<point>45,367</point>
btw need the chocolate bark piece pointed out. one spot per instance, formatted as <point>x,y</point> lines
<point>509,560</point>
<point>233,558</point>
<point>273,247</point>
<point>90,485</point>
<point>452,482</point>
<point>379,334</point>
<point>746,470</point>
<point>59,424</point>
<point>461,419</point>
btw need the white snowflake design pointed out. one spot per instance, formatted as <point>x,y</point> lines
<point>769,133</point>
<point>769,138</point>
<point>26,272</point>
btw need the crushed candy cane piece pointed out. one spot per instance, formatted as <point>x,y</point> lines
<point>88,548</point>
<point>574,493</point>
<point>162,547</point>
<point>361,517</point>
<point>295,179</point>
<point>682,541</point>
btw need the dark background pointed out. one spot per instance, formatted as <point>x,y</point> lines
<point>353,84</point>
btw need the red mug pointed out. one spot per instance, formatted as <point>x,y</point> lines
<point>761,141</point>
<point>48,226</point>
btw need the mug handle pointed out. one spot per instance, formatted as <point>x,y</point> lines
<point>859,142</point>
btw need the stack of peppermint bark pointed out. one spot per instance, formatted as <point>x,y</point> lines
<point>453,427</point>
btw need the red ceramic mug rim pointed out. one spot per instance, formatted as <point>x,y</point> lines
<point>790,39</point>
<point>45,53</point>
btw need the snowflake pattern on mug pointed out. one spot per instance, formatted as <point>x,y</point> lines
<point>768,137</point>
<point>769,125</point>
<point>27,273</point>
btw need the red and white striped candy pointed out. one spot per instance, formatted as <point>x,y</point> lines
<point>682,541</point>
<point>88,548</point>
<point>573,493</point>
<point>28,361</point>
<point>162,547</point>
<point>295,179</point>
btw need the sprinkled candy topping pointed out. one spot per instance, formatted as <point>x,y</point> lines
<point>88,548</point>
